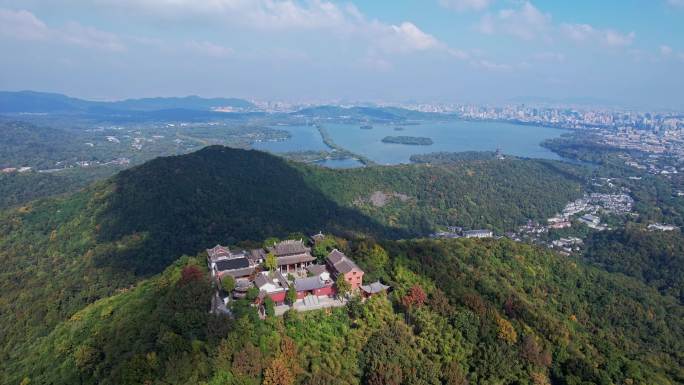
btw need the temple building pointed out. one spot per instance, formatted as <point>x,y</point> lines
<point>338,263</point>
<point>292,256</point>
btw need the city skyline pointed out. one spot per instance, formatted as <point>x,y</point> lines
<point>456,51</point>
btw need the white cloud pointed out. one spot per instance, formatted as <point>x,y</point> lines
<point>88,37</point>
<point>676,3</point>
<point>617,39</point>
<point>577,32</point>
<point>665,50</point>
<point>337,23</point>
<point>23,25</point>
<point>209,49</point>
<point>406,37</point>
<point>464,5</point>
<point>586,32</point>
<point>458,54</point>
<point>375,63</point>
<point>526,22</point>
<point>342,21</point>
<point>262,14</point>
<point>491,66</point>
<point>550,57</point>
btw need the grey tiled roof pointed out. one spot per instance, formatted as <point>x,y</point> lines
<point>375,287</point>
<point>289,247</point>
<point>237,273</point>
<point>256,254</point>
<point>264,279</point>
<point>310,283</point>
<point>341,263</point>
<point>232,264</point>
<point>316,269</point>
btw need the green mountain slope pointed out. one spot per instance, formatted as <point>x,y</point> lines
<point>494,194</point>
<point>60,255</point>
<point>655,257</point>
<point>493,312</point>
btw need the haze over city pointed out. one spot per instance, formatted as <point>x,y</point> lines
<point>626,53</point>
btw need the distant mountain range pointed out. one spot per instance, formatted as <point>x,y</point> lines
<point>185,108</point>
<point>42,102</point>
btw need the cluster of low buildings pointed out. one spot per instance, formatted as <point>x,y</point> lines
<point>590,206</point>
<point>568,245</point>
<point>10,170</point>
<point>656,164</point>
<point>458,232</point>
<point>296,269</point>
<point>669,139</point>
<point>586,210</point>
<point>662,227</point>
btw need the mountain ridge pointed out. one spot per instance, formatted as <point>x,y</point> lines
<point>37,102</point>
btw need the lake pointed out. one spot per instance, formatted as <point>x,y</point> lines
<point>453,136</point>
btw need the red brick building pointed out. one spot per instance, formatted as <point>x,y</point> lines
<point>338,263</point>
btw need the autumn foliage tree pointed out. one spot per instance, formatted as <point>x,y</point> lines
<point>288,351</point>
<point>189,274</point>
<point>533,353</point>
<point>415,297</point>
<point>506,331</point>
<point>278,373</point>
<point>247,362</point>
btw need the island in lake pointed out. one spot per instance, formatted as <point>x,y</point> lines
<point>411,140</point>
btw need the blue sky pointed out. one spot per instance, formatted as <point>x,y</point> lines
<point>628,52</point>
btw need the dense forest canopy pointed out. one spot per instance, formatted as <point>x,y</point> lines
<point>472,193</point>
<point>19,188</point>
<point>655,257</point>
<point>24,144</point>
<point>93,290</point>
<point>526,317</point>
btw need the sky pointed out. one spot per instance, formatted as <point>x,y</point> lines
<point>620,52</point>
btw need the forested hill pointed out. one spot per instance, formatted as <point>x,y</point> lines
<point>182,204</point>
<point>655,257</point>
<point>76,304</point>
<point>141,220</point>
<point>473,193</point>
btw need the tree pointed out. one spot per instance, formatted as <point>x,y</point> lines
<point>343,286</point>
<point>324,246</point>
<point>288,349</point>
<point>415,297</point>
<point>291,295</point>
<point>247,362</point>
<point>228,283</point>
<point>252,294</point>
<point>454,375</point>
<point>506,331</point>
<point>355,307</point>
<point>189,274</point>
<point>269,242</point>
<point>269,307</point>
<point>271,262</point>
<point>533,353</point>
<point>278,373</point>
<point>86,357</point>
<point>439,302</point>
